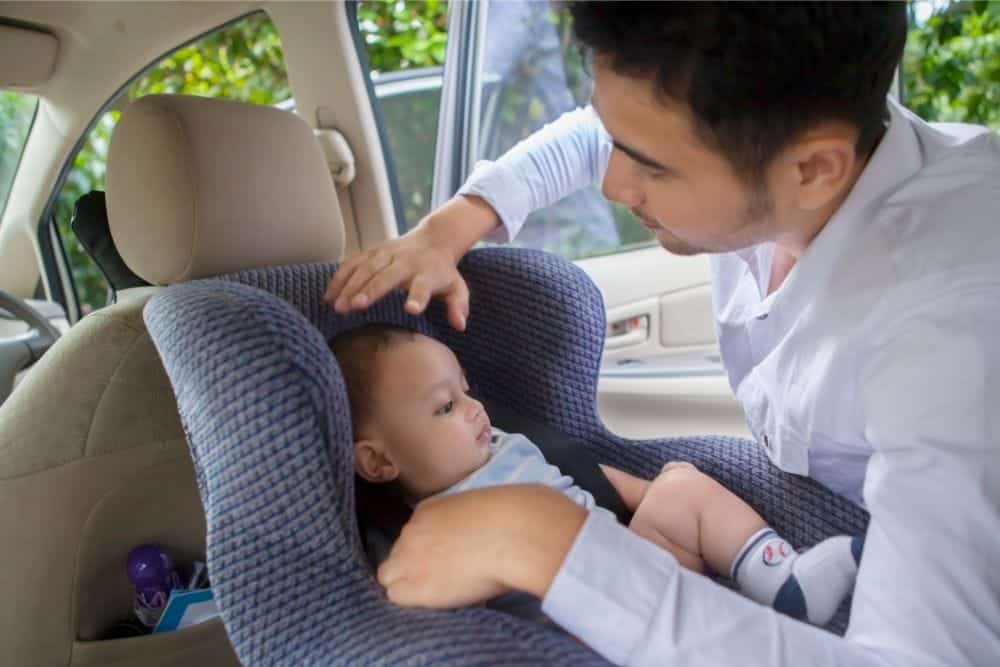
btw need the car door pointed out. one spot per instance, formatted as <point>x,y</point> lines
<point>519,69</point>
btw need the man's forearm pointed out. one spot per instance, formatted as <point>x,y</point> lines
<point>459,224</point>
<point>539,539</point>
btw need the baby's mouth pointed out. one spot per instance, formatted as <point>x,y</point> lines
<point>484,434</point>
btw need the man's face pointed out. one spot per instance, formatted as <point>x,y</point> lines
<point>683,191</point>
<point>435,433</point>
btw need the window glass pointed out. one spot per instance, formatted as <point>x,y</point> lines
<point>533,72</point>
<point>405,46</point>
<point>17,112</point>
<point>242,61</point>
<point>951,69</point>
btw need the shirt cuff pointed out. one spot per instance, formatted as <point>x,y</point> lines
<point>609,588</point>
<point>505,192</point>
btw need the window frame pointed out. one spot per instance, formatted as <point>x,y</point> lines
<point>376,109</point>
<point>461,100</point>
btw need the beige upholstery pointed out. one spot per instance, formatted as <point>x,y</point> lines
<point>238,186</point>
<point>93,459</point>
<point>27,57</point>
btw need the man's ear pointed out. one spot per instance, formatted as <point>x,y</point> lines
<point>373,463</point>
<point>821,165</point>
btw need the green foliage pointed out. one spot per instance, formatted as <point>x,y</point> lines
<point>408,35</point>
<point>951,68</point>
<point>403,35</point>
<point>16,114</point>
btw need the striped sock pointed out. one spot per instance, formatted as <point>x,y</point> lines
<point>808,586</point>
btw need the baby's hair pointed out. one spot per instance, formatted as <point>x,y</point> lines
<point>357,352</point>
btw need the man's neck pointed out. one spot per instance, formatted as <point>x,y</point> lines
<point>790,247</point>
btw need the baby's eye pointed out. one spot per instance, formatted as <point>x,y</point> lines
<point>446,408</point>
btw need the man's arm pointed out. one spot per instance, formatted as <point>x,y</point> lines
<point>928,590</point>
<point>564,156</point>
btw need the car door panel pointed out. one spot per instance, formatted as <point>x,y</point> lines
<point>661,374</point>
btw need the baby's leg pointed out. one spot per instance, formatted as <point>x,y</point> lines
<point>691,510</point>
<point>633,491</point>
<point>696,514</point>
<point>629,487</point>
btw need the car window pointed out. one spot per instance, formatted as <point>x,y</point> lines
<point>241,61</point>
<point>405,47</point>
<point>532,73</point>
<point>951,67</point>
<point>17,112</point>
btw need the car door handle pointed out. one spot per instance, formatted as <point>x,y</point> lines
<point>627,332</point>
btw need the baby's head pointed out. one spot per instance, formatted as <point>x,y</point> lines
<point>414,422</point>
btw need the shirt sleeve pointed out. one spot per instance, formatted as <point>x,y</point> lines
<point>928,590</point>
<point>564,156</point>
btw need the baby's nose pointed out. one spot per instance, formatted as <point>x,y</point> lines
<point>473,409</point>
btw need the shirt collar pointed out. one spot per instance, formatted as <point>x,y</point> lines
<point>895,160</point>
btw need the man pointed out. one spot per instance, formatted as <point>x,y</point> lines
<point>856,294</point>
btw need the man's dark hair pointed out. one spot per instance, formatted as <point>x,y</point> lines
<point>756,74</point>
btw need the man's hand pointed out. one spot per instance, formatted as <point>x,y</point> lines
<point>424,262</point>
<point>468,547</point>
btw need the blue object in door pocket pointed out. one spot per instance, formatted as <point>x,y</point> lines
<point>187,608</point>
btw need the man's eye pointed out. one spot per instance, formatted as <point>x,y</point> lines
<point>446,408</point>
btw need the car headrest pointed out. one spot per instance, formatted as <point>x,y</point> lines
<point>198,187</point>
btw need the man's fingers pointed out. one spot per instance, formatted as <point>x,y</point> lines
<point>352,277</point>
<point>359,276</point>
<point>457,299</point>
<point>417,295</point>
<point>340,278</point>
<point>380,283</point>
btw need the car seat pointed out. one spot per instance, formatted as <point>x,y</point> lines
<point>267,419</point>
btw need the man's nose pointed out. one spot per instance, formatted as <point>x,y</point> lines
<point>620,181</point>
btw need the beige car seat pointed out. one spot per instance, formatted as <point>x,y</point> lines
<point>93,459</point>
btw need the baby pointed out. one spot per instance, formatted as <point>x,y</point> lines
<point>419,432</point>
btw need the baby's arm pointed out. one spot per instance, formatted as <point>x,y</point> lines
<point>689,514</point>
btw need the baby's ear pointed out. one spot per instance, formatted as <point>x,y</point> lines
<point>372,463</point>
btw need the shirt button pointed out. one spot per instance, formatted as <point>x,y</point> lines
<point>767,442</point>
<point>763,316</point>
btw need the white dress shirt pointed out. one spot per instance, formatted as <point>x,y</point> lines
<point>874,368</point>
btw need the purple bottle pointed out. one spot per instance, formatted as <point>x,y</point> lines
<point>151,572</point>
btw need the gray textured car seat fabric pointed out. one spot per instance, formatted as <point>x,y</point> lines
<point>267,419</point>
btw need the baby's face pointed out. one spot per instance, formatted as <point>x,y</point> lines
<point>435,432</point>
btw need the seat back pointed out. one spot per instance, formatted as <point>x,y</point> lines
<point>268,420</point>
<point>93,459</point>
